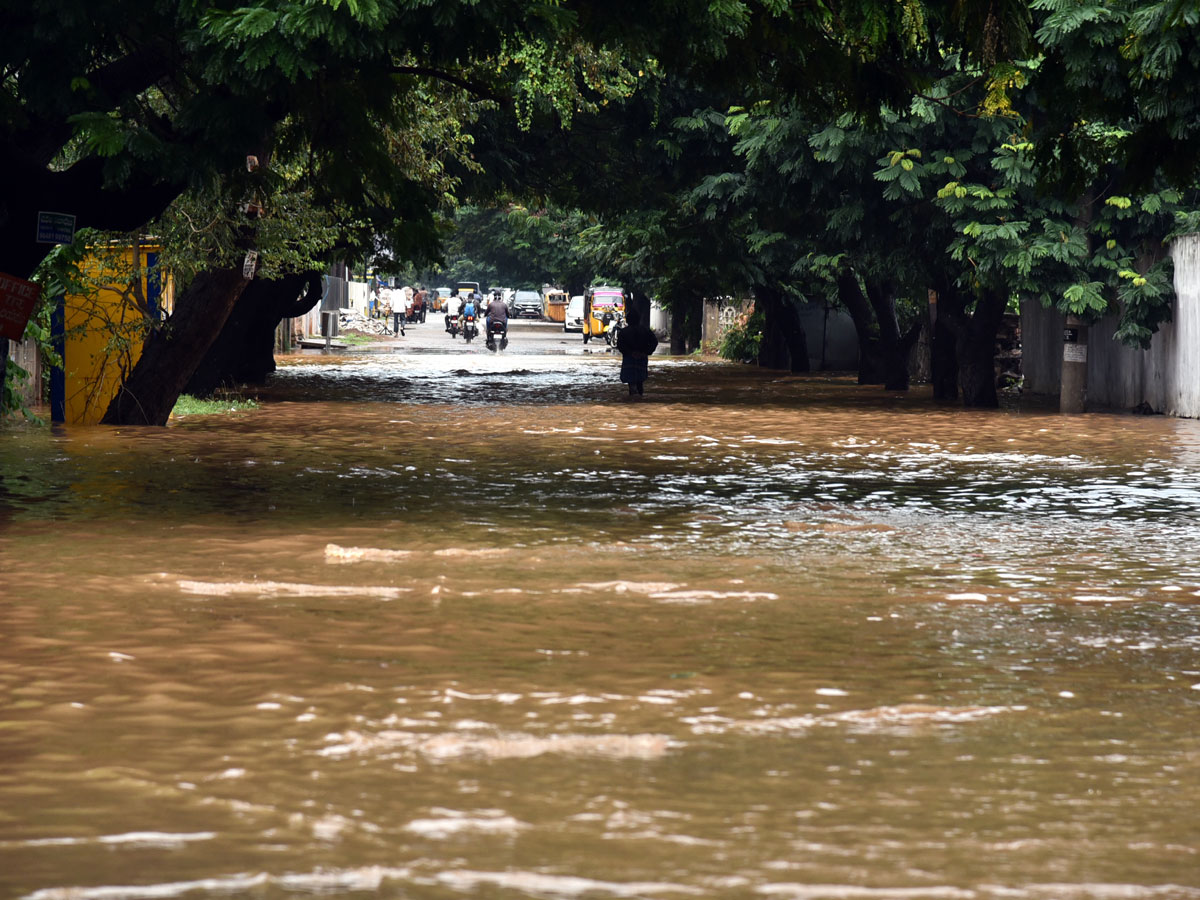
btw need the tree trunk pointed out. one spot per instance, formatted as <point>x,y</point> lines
<point>678,332</point>
<point>882,350</point>
<point>894,347</point>
<point>172,352</point>
<point>244,351</point>
<point>785,344</point>
<point>976,350</point>
<point>773,351</point>
<point>943,362</point>
<point>685,326</point>
<point>870,358</point>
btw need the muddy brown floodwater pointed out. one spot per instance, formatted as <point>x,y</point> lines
<point>446,626</point>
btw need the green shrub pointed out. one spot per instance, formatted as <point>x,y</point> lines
<point>743,338</point>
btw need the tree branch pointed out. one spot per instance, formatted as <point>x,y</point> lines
<point>466,84</point>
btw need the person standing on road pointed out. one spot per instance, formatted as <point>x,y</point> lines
<point>635,342</point>
<point>399,313</point>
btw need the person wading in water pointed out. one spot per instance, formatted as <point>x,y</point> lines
<point>635,342</point>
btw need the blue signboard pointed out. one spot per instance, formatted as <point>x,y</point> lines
<point>55,228</point>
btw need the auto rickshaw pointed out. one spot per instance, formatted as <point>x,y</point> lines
<point>603,313</point>
<point>556,305</point>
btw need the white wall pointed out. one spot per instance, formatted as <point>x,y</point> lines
<point>660,321</point>
<point>359,295</point>
<point>1167,376</point>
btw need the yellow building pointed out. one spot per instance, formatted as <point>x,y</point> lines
<point>102,328</point>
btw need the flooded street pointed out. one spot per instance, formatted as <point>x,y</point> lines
<point>446,625</point>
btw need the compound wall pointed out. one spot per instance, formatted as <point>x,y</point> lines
<point>1166,377</point>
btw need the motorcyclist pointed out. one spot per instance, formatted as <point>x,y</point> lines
<point>467,312</point>
<point>454,308</point>
<point>497,312</point>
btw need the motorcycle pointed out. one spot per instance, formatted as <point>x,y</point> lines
<point>469,329</point>
<point>612,327</point>
<point>496,329</point>
<point>452,326</point>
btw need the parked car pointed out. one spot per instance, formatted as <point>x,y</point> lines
<point>574,315</point>
<point>527,303</point>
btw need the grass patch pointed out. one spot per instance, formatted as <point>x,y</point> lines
<point>187,405</point>
<point>353,339</point>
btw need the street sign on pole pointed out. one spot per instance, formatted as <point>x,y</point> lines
<point>17,298</point>
<point>55,228</point>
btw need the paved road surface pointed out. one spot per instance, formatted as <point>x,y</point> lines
<point>525,337</point>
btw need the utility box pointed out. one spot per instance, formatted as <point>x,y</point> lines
<point>329,323</point>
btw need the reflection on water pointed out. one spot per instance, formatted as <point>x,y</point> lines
<point>439,626</point>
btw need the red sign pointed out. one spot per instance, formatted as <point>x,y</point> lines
<point>17,298</point>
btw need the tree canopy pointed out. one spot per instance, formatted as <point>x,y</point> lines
<point>859,148</point>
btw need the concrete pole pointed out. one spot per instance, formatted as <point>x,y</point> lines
<point>1072,396</point>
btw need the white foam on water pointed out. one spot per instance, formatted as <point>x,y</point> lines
<point>482,552</point>
<point>854,892</point>
<point>453,746</point>
<point>286,589</point>
<point>452,694</point>
<point>1099,891</point>
<point>336,554</point>
<point>878,719</point>
<point>367,878</point>
<point>701,597</point>
<point>574,699</point>
<point>635,587</point>
<point>160,839</point>
<point>451,823</point>
<point>539,885</point>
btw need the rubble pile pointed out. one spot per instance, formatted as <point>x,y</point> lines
<point>353,320</point>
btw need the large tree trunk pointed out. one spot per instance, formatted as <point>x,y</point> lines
<point>943,361</point>
<point>870,358</point>
<point>172,352</point>
<point>882,350</point>
<point>894,347</point>
<point>685,327</point>
<point>244,351</point>
<point>784,345</point>
<point>975,346</point>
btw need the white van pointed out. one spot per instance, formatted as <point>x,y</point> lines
<point>574,315</point>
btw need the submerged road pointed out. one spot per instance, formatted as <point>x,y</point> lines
<point>438,623</point>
